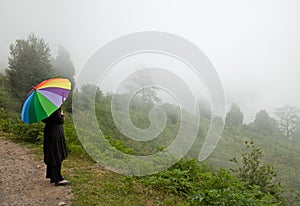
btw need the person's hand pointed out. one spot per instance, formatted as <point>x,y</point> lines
<point>62,113</point>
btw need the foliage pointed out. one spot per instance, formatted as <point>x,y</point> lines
<point>63,64</point>
<point>186,180</point>
<point>256,173</point>
<point>119,145</point>
<point>186,183</point>
<point>7,100</point>
<point>280,152</point>
<point>200,185</point>
<point>234,117</point>
<point>73,144</point>
<point>29,63</point>
<point>10,122</point>
<point>4,100</point>
<point>64,68</point>
<point>264,124</point>
<point>139,116</point>
<point>86,97</point>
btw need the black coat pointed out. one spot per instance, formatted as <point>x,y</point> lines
<point>55,149</point>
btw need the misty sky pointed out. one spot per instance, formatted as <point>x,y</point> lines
<point>254,45</point>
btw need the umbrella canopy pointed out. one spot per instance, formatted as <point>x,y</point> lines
<point>44,99</point>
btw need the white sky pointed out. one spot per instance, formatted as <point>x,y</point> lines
<point>253,44</point>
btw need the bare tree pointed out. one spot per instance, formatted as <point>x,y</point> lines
<point>286,120</point>
<point>139,84</point>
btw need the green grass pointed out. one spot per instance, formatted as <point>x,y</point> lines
<point>94,185</point>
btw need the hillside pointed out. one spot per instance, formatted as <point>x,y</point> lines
<point>188,182</point>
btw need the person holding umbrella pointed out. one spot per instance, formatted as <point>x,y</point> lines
<point>43,103</point>
<point>55,149</point>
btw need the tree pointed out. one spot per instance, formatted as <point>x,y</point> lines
<point>28,64</point>
<point>263,123</point>
<point>64,68</point>
<point>255,172</point>
<point>140,82</point>
<point>287,119</point>
<point>88,95</point>
<point>63,64</point>
<point>234,117</point>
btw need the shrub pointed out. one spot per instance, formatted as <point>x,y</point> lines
<point>256,173</point>
<point>10,122</point>
<point>200,185</point>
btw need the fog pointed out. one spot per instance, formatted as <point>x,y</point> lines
<point>253,45</point>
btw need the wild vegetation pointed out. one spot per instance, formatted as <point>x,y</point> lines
<point>254,164</point>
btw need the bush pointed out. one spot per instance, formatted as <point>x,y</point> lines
<point>10,122</point>
<point>256,173</point>
<point>32,133</point>
<point>200,185</point>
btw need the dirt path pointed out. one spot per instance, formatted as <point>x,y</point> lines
<point>22,179</point>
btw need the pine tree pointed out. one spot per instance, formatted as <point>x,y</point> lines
<point>64,68</point>
<point>63,64</point>
<point>29,63</point>
<point>234,117</point>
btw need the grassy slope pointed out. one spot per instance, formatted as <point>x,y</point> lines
<point>94,186</point>
<point>282,153</point>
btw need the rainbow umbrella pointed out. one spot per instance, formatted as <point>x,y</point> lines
<point>44,99</point>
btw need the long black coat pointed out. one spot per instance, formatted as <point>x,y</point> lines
<point>55,149</point>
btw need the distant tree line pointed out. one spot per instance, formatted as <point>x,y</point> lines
<point>286,121</point>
